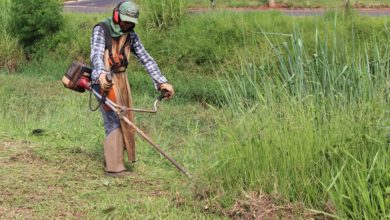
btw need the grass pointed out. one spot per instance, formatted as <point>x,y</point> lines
<point>11,54</point>
<point>293,108</point>
<point>63,166</point>
<point>336,3</point>
<point>72,186</point>
<point>163,14</point>
<point>292,3</point>
<point>288,3</point>
<point>310,126</point>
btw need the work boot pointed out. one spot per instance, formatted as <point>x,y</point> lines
<point>113,152</point>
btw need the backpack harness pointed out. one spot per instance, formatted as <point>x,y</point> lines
<point>115,61</point>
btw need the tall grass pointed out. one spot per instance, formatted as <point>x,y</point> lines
<point>311,125</point>
<point>11,53</point>
<point>163,14</point>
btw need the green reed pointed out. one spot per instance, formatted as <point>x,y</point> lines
<point>311,125</point>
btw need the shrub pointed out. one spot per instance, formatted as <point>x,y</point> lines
<point>34,20</point>
<point>11,53</point>
<point>71,42</point>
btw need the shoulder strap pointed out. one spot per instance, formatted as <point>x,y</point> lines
<point>107,39</point>
<point>107,36</point>
<point>108,43</point>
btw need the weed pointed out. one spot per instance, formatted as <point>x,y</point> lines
<point>11,54</point>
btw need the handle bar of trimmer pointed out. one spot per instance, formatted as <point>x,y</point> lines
<point>154,110</point>
<point>85,83</point>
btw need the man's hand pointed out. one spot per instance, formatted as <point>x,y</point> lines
<point>105,84</point>
<point>169,88</point>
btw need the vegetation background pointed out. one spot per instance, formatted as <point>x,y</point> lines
<point>275,117</point>
<point>293,3</point>
<point>289,3</point>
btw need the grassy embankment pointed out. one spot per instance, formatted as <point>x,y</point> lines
<point>290,3</point>
<point>293,3</point>
<point>293,107</point>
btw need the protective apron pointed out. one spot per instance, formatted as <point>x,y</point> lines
<point>120,94</point>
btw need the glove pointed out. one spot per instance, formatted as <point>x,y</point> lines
<point>104,82</point>
<point>169,88</point>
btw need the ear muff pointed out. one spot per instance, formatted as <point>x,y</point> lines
<point>115,14</point>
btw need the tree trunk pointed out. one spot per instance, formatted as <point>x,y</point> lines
<point>271,3</point>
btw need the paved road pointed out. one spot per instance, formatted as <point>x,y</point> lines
<point>101,6</point>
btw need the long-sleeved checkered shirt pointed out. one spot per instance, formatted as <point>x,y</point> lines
<point>97,56</point>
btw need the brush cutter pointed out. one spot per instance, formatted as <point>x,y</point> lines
<point>84,83</point>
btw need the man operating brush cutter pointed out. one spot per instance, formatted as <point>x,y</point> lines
<point>120,112</point>
<point>112,42</point>
<point>78,78</point>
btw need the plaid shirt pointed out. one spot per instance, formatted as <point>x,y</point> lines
<point>97,56</point>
